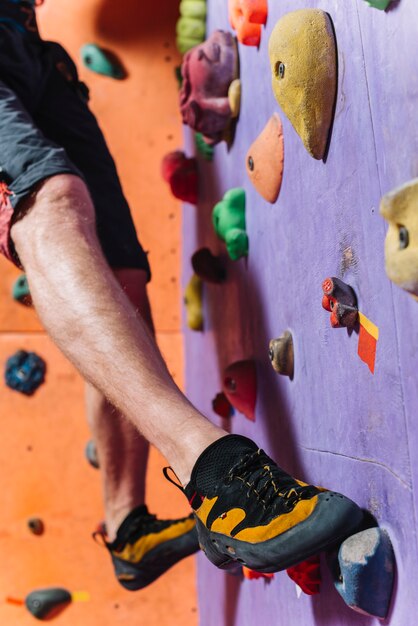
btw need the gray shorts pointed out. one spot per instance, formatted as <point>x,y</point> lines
<point>47,128</point>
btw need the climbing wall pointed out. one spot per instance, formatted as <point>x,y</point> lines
<point>335,424</point>
<point>43,469</point>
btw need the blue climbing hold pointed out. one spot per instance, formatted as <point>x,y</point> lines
<point>364,573</point>
<point>25,372</point>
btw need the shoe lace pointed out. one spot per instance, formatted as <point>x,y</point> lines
<point>270,484</point>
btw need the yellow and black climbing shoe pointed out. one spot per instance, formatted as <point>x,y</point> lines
<point>146,547</point>
<point>249,511</point>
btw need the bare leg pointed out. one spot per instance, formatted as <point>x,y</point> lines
<point>122,451</point>
<point>90,318</point>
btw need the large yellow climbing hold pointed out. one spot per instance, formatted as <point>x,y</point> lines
<point>400,209</point>
<point>303,59</point>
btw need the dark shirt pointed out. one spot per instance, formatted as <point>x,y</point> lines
<point>19,14</point>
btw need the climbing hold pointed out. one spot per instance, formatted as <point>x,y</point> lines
<point>191,26</point>
<point>193,302</point>
<point>208,266</point>
<point>234,97</point>
<point>182,175</point>
<point>208,71</point>
<point>25,372</point>
<point>204,149</point>
<point>229,222</point>
<point>91,454</point>
<point>364,572</point>
<point>102,61</point>
<point>178,76</point>
<point>44,604</point>
<point>281,354</point>
<point>247,17</point>
<point>340,299</point>
<point>265,160</point>
<point>251,574</point>
<point>36,526</point>
<point>303,60</point>
<point>399,208</point>
<point>222,406</point>
<point>240,387</point>
<point>379,4</point>
<point>307,575</point>
<point>21,291</point>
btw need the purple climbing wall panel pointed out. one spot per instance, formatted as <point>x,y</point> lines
<point>335,423</point>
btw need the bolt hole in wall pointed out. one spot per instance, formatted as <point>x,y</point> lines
<point>323,71</point>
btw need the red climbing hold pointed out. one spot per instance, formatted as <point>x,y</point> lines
<point>182,176</point>
<point>240,387</point>
<point>222,406</point>
<point>307,575</point>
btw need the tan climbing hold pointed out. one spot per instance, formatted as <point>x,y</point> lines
<point>265,160</point>
<point>303,59</point>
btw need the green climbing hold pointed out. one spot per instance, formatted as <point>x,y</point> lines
<point>229,222</point>
<point>379,4</point>
<point>101,61</point>
<point>203,148</point>
<point>191,26</point>
<point>178,75</point>
<point>193,8</point>
<point>21,291</point>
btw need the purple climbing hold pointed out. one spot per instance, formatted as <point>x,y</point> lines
<point>25,372</point>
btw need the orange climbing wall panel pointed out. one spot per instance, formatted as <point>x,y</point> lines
<point>43,470</point>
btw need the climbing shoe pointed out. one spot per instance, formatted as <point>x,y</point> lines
<point>249,511</point>
<point>146,547</point>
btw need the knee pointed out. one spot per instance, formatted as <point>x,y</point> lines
<point>54,206</point>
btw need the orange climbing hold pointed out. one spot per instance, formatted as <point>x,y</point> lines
<point>265,160</point>
<point>247,17</point>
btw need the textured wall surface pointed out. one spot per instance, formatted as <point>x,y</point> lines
<point>335,424</point>
<point>42,466</point>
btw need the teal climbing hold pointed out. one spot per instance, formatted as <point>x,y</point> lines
<point>21,291</point>
<point>101,61</point>
<point>91,454</point>
<point>228,218</point>
<point>203,148</point>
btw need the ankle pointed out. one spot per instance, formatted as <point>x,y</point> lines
<point>115,515</point>
<point>186,458</point>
